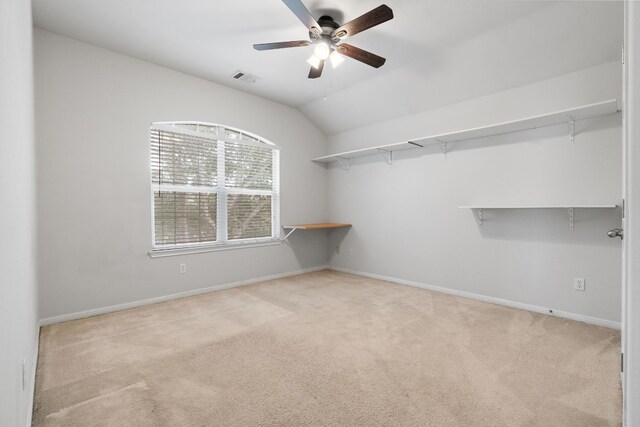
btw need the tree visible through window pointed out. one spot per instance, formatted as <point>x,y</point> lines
<point>212,185</point>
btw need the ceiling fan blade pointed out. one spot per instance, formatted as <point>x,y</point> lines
<point>303,15</point>
<point>361,55</point>
<point>280,45</point>
<point>370,19</point>
<point>314,73</point>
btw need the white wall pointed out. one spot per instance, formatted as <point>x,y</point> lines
<point>93,112</point>
<point>18,302</point>
<point>407,224</point>
<point>631,300</point>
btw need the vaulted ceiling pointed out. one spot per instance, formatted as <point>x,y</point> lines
<point>438,51</point>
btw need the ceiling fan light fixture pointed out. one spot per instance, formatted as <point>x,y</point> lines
<point>327,36</point>
<point>314,61</point>
<point>336,59</point>
<point>322,50</point>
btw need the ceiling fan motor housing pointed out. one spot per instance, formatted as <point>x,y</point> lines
<point>328,25</point>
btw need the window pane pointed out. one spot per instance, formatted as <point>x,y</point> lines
<point>188,126</point>
<point>248,167</point>
<point>183,159</point>
<point>231,134</point>
<point>185,183</point>
<point>249,216</point>
<point>209,130</point>
<point>184,217</point>
<point>246,137</point>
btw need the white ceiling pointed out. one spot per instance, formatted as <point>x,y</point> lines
<point>438,52</point>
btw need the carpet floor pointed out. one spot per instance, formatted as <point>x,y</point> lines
<point>329,349</point>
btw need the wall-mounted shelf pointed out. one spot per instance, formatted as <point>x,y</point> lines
<point>319,226</point>
<point>568,116</point>
<point>478,210</point>
<point>384,150</point>
<point>564,116</point>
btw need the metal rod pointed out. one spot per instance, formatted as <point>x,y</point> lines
<point>289,234</point>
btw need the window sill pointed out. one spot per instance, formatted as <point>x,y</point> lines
<point>162,253</point>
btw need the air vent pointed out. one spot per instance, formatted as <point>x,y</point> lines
<point>245,77</point>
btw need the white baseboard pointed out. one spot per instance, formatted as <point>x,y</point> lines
<point>471,295</point>
<point>32,380</point>
<point>140,303</point>
<point>493,300</point>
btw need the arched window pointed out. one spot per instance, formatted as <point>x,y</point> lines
<point>213,185</point>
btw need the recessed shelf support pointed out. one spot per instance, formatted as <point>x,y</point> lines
<point>478,214</point>
<point>571,226</point>
<point>572,130</point>
<point>443,147</point>
<point>344,162</point>
<point>387,155</point>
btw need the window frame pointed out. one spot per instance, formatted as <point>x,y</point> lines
<point>222,242</point>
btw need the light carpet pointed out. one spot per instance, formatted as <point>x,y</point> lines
<point>327,348</point>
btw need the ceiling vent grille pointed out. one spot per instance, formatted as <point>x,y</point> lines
<point>245,77</point>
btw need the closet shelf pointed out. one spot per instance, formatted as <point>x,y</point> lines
<point>565,206</point>
<point>319,226</point>
<point>564,116</point>
<point>568,116</point>
<point>384,150</point>
<point>478,209</point>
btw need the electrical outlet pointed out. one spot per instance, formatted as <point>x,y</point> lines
<point>337,250</point>
<point>350,252</point>
<point>183,268</point>
<point>578,284</point>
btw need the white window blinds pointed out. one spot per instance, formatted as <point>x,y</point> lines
<point>212,185</point>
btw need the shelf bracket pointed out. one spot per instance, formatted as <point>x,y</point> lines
<point>387,155</point>
<point>345,163</point>
<point>571,226</point>
<point>443,147</point>
<point>478,213</point>
<point>572,130</point>
<point>289,234</point>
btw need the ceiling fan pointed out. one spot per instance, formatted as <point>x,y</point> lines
<point>328,35</point>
